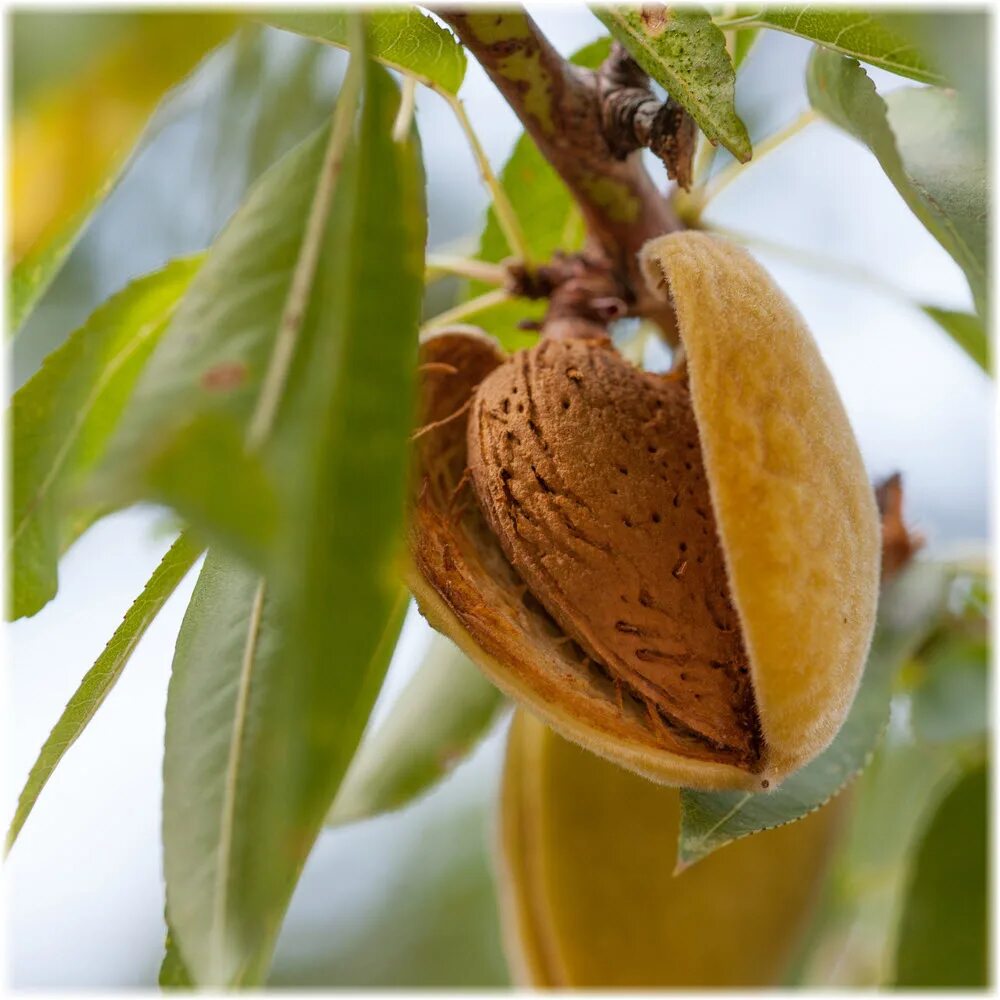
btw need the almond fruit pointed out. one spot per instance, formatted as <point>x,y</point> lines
<point>680,572</point>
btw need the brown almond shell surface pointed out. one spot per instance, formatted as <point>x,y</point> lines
<point>467,588</point>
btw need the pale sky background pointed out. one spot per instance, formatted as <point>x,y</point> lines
<point>85,894</point>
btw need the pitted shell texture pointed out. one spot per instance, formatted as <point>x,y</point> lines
<point>590,475</point>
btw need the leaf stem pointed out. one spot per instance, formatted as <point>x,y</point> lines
<point>478,270</point>
<point>507,218</point>
<point>465,309</point>
<point>693,206</point>
<point>817,262</point>
<point>293,314</point>
<point>407,104</point>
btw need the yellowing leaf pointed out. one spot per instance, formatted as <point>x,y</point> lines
<point>69,142</point>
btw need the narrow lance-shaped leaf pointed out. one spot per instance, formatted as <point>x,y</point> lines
<point>956,42</point>
<point>927,147</point>
<point>943,936</point>
<point>710,820</point>
<point>70,142</point>
<point>274,680</point>
<point>440,716</point>
<point>193,403</point>
<point>63,418</point>
<point>406,39</point>
<point>173,973</point>
<point>231,653</point>
<point>682,49</point>
<point>744,40</point>
<point>865,35</point>
<point>966,330</point>
<point>104,674</point>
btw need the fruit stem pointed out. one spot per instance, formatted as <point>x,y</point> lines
<point>466,267</point>
<point>507,218</point>
<point>691,206</point>
<point>466,309</point>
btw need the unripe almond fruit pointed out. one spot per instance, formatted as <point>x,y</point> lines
<point>680,572</point>
<point>587,889</point>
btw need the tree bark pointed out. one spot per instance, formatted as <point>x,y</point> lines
<point>561,107</point>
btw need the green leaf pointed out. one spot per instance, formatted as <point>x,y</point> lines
<point>943,938</point>
<point>426,916</point>
<point>956,43</point>
<point>173,973</point>
<point>549,220</point>
<point>944,156</point>
<point>952,702</point>
<point>407,40</point>
<point>213,382</point>
<point>441,715</point>
<point>34,272</point>
<point>63,418</point>
<point>236,822</point>
<point>865,35</point>
<point>853,938</point>
<point>710,820</point>
<point>927,147</point>
<point>743,41</point>
<point>967,330</point>
<point>683,50</point>
<point>104,674</point>
<point>950,693</point>
<point>274,678</point>
<point>186,469</point>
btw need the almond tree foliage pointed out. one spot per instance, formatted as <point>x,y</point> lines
<point>264,392</point>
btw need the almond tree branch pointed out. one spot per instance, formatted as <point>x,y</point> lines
<point>563,109</point>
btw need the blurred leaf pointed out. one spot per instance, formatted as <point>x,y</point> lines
<point>193,379</point>
<point>69,143</point>
<point>407,40</point>
<point>955,43</point>
<point>865,35</point>
<point>944,157</point>
<point>951,702</point>
<point>927,148</point>
<point>967,330</point>
<point>710,820</point>
<point>853,940</point>
<point>743,42</point>
<point>549,220</point>
<point>404,901</point>
<point>63,418</point>
<point>49,47</point>
<point>440,716</point>
<point>104,674</point>
<point>943,941</point>
<point>251,773</point>
<point>683,50</point>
